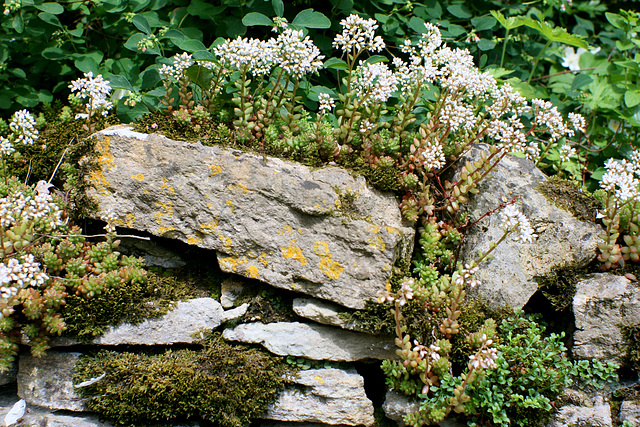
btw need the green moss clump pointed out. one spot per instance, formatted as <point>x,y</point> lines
<point>226,384</point>
<point>567,195</point>
<point>208,132</point>
<point>87,318</point>
<point>559,286</point>
<point>631,336</point>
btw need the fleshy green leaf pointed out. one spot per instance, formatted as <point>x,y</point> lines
<point>632,98</point>
<point>142,24</point>
<point>52,8</point>
<point>481,23</point>
<point>336,64</point>
<point>278,7</point>
<point>256,18</point>
<point>200,75</point>
<point>86,64</point>
<point>120,82</point>
<point>190,45</point>
<point>50,18</point>
<point>309,18</point>
<point>459,11</point>
<point>581,80</point>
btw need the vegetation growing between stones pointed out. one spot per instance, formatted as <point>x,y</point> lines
<point>226,384</point>
<point>402,129</point>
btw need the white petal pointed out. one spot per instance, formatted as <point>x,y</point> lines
<point>16,413</point>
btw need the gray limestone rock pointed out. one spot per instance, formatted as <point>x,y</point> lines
<point>316,342</point>
<point>601,305</point>
<point>47,381</point>
<point>508,278</point>
<point>324,312</point>
<point>268,219</point>
<point>630,412</point>
<point>326,396</point>
<point>597,415</point>
<point>230,291</point>
<point>175,327</point>
<point>396,406</point>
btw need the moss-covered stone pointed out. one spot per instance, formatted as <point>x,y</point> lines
<point>225,384</point>
<point>89,318</point>
<point>567,195</point>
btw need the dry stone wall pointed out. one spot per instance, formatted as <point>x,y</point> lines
<point>290,227</point>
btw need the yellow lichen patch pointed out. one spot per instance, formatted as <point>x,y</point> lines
<point>139,177</point>
<point>164,185</point>
<point>106,158</point>
<point>238,187</point>
<point>263,259</point>
<point>214,170</point>
<point>376,243</point>
<point>128,221</point>
<point>226,242</point>
<point>293,251</point>
<point>230,204</point>
<point>208,228</point>
<point>373,228</point>
<point>163,230</point>
<point>99,182</point>
<point>327,265</point>
<point>252,271</point>
<point>166,210</point>
<point>231,263</point>
<point>285,229</point>
<point>392,230</point>
<point>193,240</point>
<point>319,379</point>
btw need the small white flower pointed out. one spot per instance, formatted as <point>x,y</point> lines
<point>326,102</point>
<point>358,34</point>
<point>513,220</point>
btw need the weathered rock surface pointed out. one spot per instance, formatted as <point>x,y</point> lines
<point>630,412</point>
<point>396,406</point>
<point>329,396</point>
<point>47,381</point>
<point>598,415</point>
<point>601,305</point>
<point>324,312</point>
<point>230,291</point>
<point>268,219</point>
<point>152,253</point>
<point>10,375</point>
<point>563,240</point>
<point>316,342</point>
<point>175,327</point>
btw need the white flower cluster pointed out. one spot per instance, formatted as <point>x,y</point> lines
<point>6,148</point>
<point>110,218</point>
<point>486,357</point>
<point>457,114</point>
<point>547,115</point>
<point>23,128</point>
<point>467,276</point>
<point>431,155</point>
<point>567,152</point>
<point>358,34</point>
<point>250,55</point>
<point>17,207</point>
<point>578,122</point>
<point>175,71</point>
<point>96,90</point>
<point>326,102</point>
<point>621,178</point>
<point>297,55</point>
<point>422,351</point>
<point>404,294</point>
<point>513,220</point>
<point>374,83</point>
<point>16,275</point>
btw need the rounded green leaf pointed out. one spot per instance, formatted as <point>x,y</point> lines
<point>86,64</point>
<point>308,18</point>
<point>190,45</point>
<point>256,18</point>
<point>120,82</point>
<point>53,8</point>
<point>142,24</point>
<point>50,18</point>
<point>459,11</point>
<point>278,7</point>
<point>336,64</point>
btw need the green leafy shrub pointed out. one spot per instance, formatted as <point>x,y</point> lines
<point>226,384</point>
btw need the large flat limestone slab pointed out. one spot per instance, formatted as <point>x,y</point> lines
<point>268,219</point>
